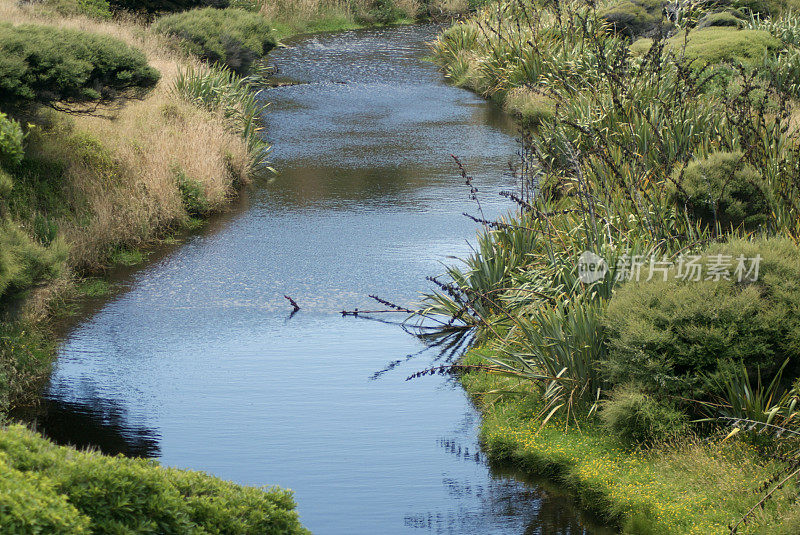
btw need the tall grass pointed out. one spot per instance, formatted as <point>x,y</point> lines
<point>219,89</point>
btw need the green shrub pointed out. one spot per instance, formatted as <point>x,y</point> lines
<point>25,262</point>
<point>722,188</point>
<point>96,9</point>
<point>25,358</point>
<point>193,196</point>
<point>122,495</point>
<point>29,505</point>
<point>232,37</point>
<point>709,46</point>
<point>41,64</point>
<point>6,183</point>
<point>165,6</point>
<point>724,18</point>
<point>383,12</point>
<point>634,17</point>
<point>11,142</point>
<point>639,420</point>
<point>681,337</point>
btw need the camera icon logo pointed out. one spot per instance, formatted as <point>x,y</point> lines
<point>591,267</point>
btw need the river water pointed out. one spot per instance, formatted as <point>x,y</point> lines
<point>197,362</point>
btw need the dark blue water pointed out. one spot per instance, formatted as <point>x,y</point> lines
<point>199,364</point>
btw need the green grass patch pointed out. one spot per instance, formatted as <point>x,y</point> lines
<point>94,287</point>
<point>124,256</point>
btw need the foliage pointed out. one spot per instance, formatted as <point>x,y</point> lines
<point>722,18</point>
<point>165,6</point>
<point>121,495</point>
<point>42,64</point>
<point>98,9</point>
<point>722,189</point>
<point>23,261</point>
<point>638,419</point>
<point>232,37</point>
<point>11,141</point>
<point>219,89</point>
<point>383,12</point>
<point>685,487</point>
<point>716,44</point>
<point>192,194</point>
<point>634,18</point>
<point>25,358</point>
<point>680,338</point>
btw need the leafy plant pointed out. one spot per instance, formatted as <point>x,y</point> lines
<point>220,89</point>
<point>46,65</point>
<point>11,141</point>
<point>638,419</point>
<point>234,38</point>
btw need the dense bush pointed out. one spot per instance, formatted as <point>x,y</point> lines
<point>165,6</point>
<point>121,495</point>
<point>28,504</point>
<point>639,420</point>
<point>634,17</point>
<point>716,44</point>
<point>681,337</point>
<point>23,261</point>
<point>233,37</point>
<point>723,18</point>
<point>41,64</point>
<point>97,9</point>
<point>723,189</point>
<point>11,139</point>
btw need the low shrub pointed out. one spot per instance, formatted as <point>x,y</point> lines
<point>192,195</point>
<point>681,337</point>
<point>529,107</point>
<point>165,6</point>
<point>25,262</point>
<point>634,17</point>
<point>232,37</point>
<point>637,419</point>
<point>717,44</point>
<point>723,18</point>
<point>11,142</point>
<point>28,504</point>
<point>42,64</point>
<point>383,12</point>
<point>96,9</point>
<point>724,189</point>
<point>122,495</point>
<point>25,358</point>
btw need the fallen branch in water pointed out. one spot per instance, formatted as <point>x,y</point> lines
<point>292,302</point>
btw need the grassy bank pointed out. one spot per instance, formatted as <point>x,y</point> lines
<point>694,486</point>
<point>91,186</point>
<point>667,402</point>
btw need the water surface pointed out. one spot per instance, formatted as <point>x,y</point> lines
<point>199,364</point>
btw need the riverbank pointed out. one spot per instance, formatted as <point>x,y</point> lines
<point>647,396</point>
<point>694,486</point>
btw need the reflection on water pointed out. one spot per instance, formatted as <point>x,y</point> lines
<point>199,364</point>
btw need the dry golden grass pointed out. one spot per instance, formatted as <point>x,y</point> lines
<point>135,197</point>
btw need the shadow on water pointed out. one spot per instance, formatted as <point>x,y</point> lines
<point>95,423</point>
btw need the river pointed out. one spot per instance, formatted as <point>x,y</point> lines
<point>198,363</point>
